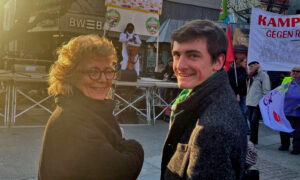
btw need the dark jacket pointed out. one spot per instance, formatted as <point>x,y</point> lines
<point>82,140</point>
<point>241,86</point>
<point>207,139</point>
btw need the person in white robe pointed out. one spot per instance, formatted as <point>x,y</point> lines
<point>129,37</point>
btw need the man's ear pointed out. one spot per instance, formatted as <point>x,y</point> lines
<point>218,65</point>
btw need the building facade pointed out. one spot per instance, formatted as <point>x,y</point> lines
<point>181,11</point>
<point>88,17</point>
<point>190,9</point>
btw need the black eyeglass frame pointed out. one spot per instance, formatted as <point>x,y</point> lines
<point>99,73</point>
<point>295,71</point>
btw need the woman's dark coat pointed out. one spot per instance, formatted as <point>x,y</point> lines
<point>82,140</point>
<point>207,139</point>
<point>241,87</point>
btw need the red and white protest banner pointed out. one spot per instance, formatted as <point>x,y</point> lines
<point>274,40</point>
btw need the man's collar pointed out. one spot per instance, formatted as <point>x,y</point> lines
<point>211,76</point>
<point>259,69</point>
<point>206,88</point>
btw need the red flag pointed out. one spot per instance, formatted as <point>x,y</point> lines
<point>230,53</point>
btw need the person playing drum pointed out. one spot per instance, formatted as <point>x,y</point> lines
<point>131,43</point>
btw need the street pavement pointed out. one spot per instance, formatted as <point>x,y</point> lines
<point>20,149</point>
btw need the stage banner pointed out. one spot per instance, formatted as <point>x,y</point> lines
<point>146,6</point>
<point>274,40</point>
<point>144,23</point>
<point>272,109</point>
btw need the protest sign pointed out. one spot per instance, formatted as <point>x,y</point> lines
<point>274,40</point>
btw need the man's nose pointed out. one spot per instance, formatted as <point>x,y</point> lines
<point>181,65</point>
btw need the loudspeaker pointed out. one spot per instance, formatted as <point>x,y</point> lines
<point>127,75</point>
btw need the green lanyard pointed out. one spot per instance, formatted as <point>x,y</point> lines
<point>183,94</point>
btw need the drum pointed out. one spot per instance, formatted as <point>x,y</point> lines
<point>132,51</point>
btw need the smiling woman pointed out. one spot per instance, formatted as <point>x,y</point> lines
<point>91,81</point>
<point>74,57</point>
<point>82,140</point>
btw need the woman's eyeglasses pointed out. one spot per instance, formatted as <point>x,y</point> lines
<point>95,73</point>
<point>295,71</point>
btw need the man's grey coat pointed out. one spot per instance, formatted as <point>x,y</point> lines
<point>207,139</point>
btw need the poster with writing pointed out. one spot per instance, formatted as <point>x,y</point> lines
<point>147,6</point>
<point>274,40</point>
<point>146,24</point>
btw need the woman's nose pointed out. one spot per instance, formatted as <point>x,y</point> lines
<point>102,77</point>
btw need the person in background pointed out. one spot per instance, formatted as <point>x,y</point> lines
<point>168,71</point>
<point>258,85</point>
<point>160,67</point>
<point>292,113</point>
<point>82,139</point>
<point>158,72</point>
<point>170,93</point>
<point>279,80</point>
<point>206,139</point>
<point>238,83</point>
<point>127,37</point>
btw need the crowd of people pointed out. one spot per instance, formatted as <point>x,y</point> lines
<point>292,112</point>
<point>207,136</point>
<point>252,84</point>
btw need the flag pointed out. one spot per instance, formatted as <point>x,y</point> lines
<point>224,12</point>
<point>229,53</point>
<point>272,109</point>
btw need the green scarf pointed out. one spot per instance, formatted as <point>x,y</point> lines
<point>183,94</point>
